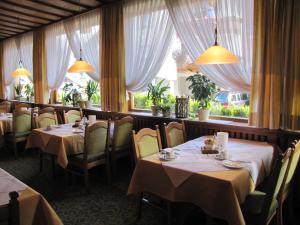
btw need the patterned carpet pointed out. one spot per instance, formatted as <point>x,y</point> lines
<point>106,205</point>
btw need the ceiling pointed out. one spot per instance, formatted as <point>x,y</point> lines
<point>20,16</point>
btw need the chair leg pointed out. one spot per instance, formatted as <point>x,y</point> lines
<point>169,213</point>
<point>140,205</point>
<point>41,160</point>
<point>279,219</point>
<point>53,165</point>
<point>87,180</point>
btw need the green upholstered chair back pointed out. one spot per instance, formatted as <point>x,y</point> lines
<point>46,119</point>
<point>174,134</point>
<point>72,115</point>
<point>293,163</point>
<point>22,121</point>
<point>146,142</point>
<point>5,107</point>
<point>96,136</point>
<point>122,132</point>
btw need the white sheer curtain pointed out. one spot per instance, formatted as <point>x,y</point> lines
<point>194,22</point>
<point>11,60</point>
<point>58,55</point>
<point>89,24</point>
<point>148,35</point>
<point>24,44</point>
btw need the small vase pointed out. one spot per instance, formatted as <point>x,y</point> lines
<point>203,114</point>
<point>154,110</point>
<point>166,113</point>
<point>88,104</point>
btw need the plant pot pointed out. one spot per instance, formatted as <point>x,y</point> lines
<point>88,104</point>
<point>166,113</point>
<point>154,110</point>
<point>203,114</point>
<point>18,98</point>
<point>82,104</point>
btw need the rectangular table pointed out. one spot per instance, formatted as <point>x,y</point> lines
<point>34,208</point>
<point>204,181</point>
<point>60,141</point>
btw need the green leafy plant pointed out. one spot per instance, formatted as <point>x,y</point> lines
<point>18,89</point>
<point>156,92</point>
<point>29,92</point>
<point>67,92</point>
<point>202,88</point>
<point>91,89</point>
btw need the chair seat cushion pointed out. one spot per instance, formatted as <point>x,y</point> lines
<point>253,206</point>
<point>90,158</point>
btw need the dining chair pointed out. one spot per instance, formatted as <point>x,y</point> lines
<point>95,152</point>
<point>22,106</point>
<point>121,145</point>
<point>48,109</point>
<point>10,213</point>
<point>260,207</point>
<point>287,190</point>
<point>174,134</point>
<point>5,107</point>
<point>45,119</point>
<point>21,129</point>
<point>146,142</point>
<point>72,115</point>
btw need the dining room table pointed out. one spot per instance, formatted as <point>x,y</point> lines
<point>60,140</point>
<point>34,209</point>
<point>217,186</point>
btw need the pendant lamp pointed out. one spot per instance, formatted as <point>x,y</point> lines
<point>217,54</point>
<point>81,66</point>
<point>21,71</point>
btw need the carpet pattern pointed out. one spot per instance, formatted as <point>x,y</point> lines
<point>106,205</point>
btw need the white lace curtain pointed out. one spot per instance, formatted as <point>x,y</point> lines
<point>10,60</point>
<point>194,22</point>
<point>148,35</point>
<point>58,55</point>
<point>89,24</point>
<point>24,44</point>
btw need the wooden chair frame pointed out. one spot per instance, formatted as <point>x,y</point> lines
<point>48,109</point>
<point>85,166</point>
<point>169,127</point>
<point>70,112</point>
<point>11,212</point>
<point>43,116</point>
<point>145,132</point>
<point>6,105</point>
<point>126,150</point>
<point>22,105</point>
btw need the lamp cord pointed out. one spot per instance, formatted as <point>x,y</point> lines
<point>216,16</point>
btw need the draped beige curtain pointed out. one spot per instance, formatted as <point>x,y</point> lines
<point>275,74</point>
<point>113,90</point>
<point>2,86</point>
<point>39,67</point>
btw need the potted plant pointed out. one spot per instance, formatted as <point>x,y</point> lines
<point>29,92</point>
<point>67,93</point>
<point>90,90</point>
<point>155,94</point>
<point>18,89</point>
<point>165,109</point>
<point>203,91</point>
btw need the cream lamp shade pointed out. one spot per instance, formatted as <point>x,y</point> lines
<point>217,55</point>
<point>21,72</point>
<point>81,66</point>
